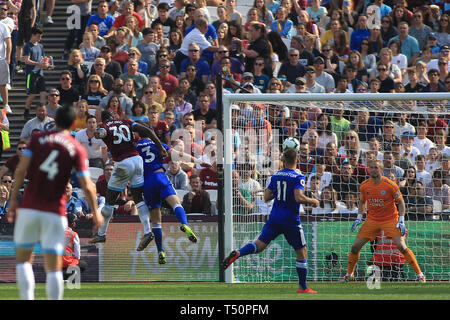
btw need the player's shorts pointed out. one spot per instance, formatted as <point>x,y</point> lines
<point>370,229</point>
<point>35,83</point>
<point>47,228</point>
<point>293,234</point>
<point>4,73</point>
<point>157,187</point>
<point>128,170</point>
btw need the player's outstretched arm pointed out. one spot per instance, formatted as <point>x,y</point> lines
<point>145,131</point>
<point>19,178</point>
<point>177,155</point>
<point>90,193</point>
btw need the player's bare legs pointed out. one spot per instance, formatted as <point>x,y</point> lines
<point>107,212</point>
<point>409,256</point>
<point>175,204</point>
<point>155,217</point>
<point>353,257</point>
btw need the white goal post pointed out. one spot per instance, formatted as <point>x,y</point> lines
<point>411,103</point>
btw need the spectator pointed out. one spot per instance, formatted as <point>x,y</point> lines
<point>102,18</point>
<point>96,148</point>
<point>102,181</point>
<point>139,111</point>
<point>306,162</point>
<point>53,98</point>
<point>418,29</point>
<point>33,53</point>
<point>94,92</point>
<point>360,33</point>
<point>390,167</point>
<point>388,29</point>
<point>88,51</point>
<point>117,91</point>
<point>422,174</point>
<point>387,84</point>
<point>292,69</point>
<point>443,31</point>
<point>368,56</point>
<point>421,141</point>
<point>408,149</point>
<point>199,33</point>
<point>208,176</point>
<point>418,205</point>
<point>205,111</point>
<point>26,19</point>
<point>134,53</point>
<point>112,67</point>
<point>366,126</point>
<point>168,81</point>
<point>117,54</point>
<point>323,78</point>
<point>350,141</point>
<point>311,84</point>
<point>328,202</point>
<point>282,25</point>
<point>75,35</point>
<point>344,182</point>
<point>120,21</point>
<point>242,200</point>
<point>438,190</point>
<point>140,80</point>
<point>435,85</point>
<point>81,115</point>
<point>99,41</point>
<point>320,173</point>
<point>197,200</point>
<point>12,162</point>
<point>69,94</point>
<point>5,57</point>
<point>115,106</point>
<point>98,68</point>
<point>39,123</point>
<point>177,176</point>
<point>410,45</point>
<point>400,159</point>
<point>159,126</point>
<point>202,66</point>
<point>413,85</point>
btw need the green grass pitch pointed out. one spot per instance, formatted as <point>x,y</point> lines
<point>242,291</point>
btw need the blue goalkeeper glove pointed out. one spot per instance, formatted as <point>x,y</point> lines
<point>357,222</point>
<point>401,225</point>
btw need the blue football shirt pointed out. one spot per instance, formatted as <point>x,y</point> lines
<point>150,154</point>
<point>285,209</point>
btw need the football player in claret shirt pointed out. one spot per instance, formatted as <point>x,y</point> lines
<point>128,168</point>
<point>381,196</point>
<point>286,187</point>
<point>41,217</point>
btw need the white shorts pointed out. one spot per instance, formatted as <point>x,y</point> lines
<point>47,228</point>
<point>128,170</point>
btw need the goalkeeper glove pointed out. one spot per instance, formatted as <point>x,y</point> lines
<point>401,225</point>
<point>357,222</point>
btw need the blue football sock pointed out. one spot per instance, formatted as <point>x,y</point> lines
<point>157,231</point>
<point>249,248</point>
<point>180,214</point>
<point>302,271</point>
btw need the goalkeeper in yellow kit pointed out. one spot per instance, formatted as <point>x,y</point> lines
<point>380,195</point>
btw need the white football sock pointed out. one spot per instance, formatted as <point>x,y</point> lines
<point>25,280</point>
<point>54,285</point>
<point>107,212</point>
<point>144,216</point>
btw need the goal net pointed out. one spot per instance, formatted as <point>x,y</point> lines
<point>335,135</point>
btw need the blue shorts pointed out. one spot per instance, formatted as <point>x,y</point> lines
<point>293,234</point>
<point>157,187</point>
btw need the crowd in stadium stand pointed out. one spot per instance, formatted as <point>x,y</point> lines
<point>155,62</point>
